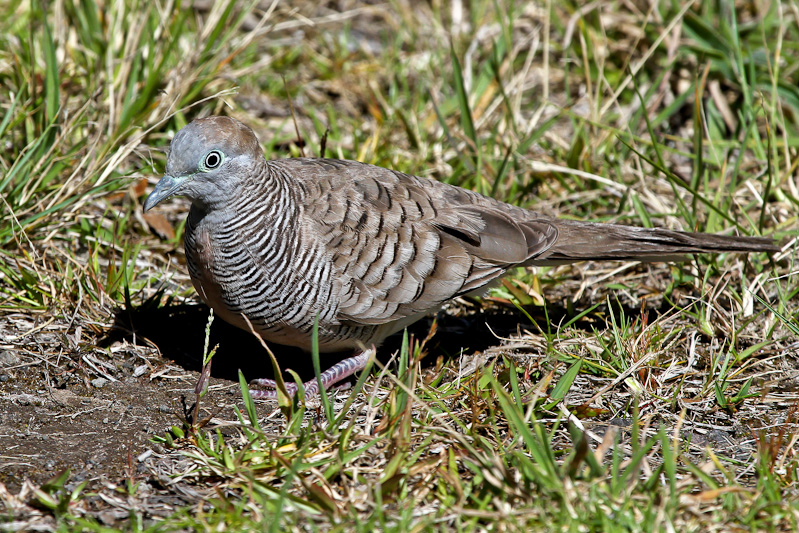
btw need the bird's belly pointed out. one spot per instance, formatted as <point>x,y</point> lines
<point>225,302</point>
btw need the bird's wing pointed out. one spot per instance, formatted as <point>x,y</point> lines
<point>402,245</point>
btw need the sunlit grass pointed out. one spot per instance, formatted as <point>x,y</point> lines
<point>684,116</point>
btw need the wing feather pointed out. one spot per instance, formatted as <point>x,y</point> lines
<point>402,245</point>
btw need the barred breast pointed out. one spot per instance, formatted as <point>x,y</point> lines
<point>256,259</point>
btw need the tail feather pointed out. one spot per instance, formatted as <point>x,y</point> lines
<point>585,241</point>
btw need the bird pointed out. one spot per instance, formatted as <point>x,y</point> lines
<point>274,245</point>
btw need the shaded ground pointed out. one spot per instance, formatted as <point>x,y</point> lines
<point>93,410</point>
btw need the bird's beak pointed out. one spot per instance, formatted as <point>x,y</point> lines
<point>164,189</point>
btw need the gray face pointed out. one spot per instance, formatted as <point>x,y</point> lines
<point>207,160</point>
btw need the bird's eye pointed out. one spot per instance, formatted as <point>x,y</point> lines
<point>212,160</point>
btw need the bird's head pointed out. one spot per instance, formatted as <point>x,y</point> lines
<point>207,161</point>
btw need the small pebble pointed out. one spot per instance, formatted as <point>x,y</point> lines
<point>8,358</point>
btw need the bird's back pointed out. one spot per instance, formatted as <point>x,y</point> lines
<point>370,250</point>
<point>400,245</point>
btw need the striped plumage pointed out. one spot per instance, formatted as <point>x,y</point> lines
<point>252,259</point>
<point>368,250</point>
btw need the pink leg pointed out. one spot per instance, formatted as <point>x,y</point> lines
<point>330,377</point>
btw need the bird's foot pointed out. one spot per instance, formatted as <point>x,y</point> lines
<point>330,377</point>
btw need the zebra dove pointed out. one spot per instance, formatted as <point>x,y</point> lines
<point>366,249</point>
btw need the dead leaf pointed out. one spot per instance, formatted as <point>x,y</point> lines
<point>139,188</point>
<point>160,225</point>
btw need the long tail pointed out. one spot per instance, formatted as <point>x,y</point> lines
<point>586,241</point>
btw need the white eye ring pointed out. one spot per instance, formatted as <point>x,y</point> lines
<point>212,160</point>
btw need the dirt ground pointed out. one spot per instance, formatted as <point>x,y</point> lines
<point>93,407</point>
<point>93,404</point>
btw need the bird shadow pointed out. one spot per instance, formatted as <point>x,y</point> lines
<point>179,332</point>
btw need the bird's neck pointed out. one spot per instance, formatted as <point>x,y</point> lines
<point>271,194</point>
<point>263,199</point>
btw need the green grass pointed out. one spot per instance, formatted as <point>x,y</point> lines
<point>683,116</point>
